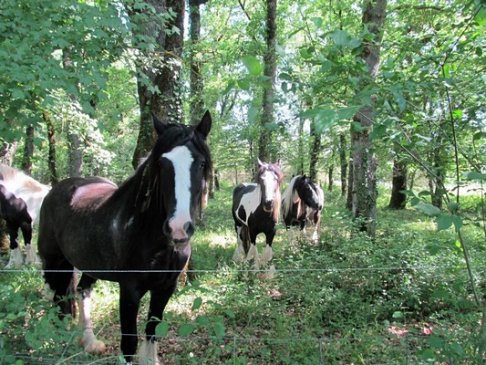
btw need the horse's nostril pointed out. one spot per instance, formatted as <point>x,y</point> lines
<point>189,228</point>
<point>166,229</point>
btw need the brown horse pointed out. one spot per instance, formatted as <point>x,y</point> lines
<point>137,234</point>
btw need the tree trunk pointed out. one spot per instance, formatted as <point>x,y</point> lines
<point>51,158</point>
<point>398,200</point>
<point>330,170</point>
<point>158,70</point>
<point>300,168</point>
<point>75,154</point>
<point>265,152</point>
<point>364,161</point>
<point>315,150</point>
<point>196,80</point>
<point>28,150</point>
<point>7,152</point>
<point>343,162</point>
<point>349,196</point>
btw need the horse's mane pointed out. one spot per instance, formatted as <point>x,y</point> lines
<point>16,178</point>
<point>287,198</point>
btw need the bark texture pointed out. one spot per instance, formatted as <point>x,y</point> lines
<point>270,70</point>
<point>364,161</point>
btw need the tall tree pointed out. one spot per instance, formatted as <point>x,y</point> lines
<point>364,161</point>
<point>270,70</point>
<point>398,199</point>
<point>343,162</point>
<point>157,31</point>
<point>195,79</point>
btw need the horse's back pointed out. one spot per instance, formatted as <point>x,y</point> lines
<point>61,207</point>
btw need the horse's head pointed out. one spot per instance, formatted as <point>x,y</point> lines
<point>308,192</point>
<point>180,164</point>
<point>269,177</point>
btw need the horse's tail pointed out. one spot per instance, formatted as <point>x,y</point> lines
<point>61,277</point>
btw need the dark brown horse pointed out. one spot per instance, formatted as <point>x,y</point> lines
<point>137,234</point>
<point>256,209</point>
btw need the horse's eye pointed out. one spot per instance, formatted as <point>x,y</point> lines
<point>202,165</point>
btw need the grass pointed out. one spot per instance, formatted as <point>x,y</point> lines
<point>402,299</point>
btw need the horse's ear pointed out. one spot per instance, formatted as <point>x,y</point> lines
<point>204,125</point>
<point>158,125</point>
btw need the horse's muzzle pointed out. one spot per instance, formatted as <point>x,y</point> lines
<point>180,237</point>
<point>268,206</point>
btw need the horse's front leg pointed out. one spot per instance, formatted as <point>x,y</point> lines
<point>16,259</point>
<point>268,251</point>
<point>253,252</point>
<point>30,254</point>
<point>89,341</point>
<point>149,349</point>
<point>129,305</point>
<point>239,254</point>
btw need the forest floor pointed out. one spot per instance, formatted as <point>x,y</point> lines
<point>404,298</point>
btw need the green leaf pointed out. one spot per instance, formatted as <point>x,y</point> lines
<point>480,17</point>
<point>186,329</point>
<point>475,175</point>
<point>479,135</point>
<point>253,65</point>
<point>219,329</point>
<point>427,209</point>
<point>197,303</point>
<point>457,220</point>
<point>444,221</point>
<point>162,329</point>
<point>397,315</point>
<point>342,39</point>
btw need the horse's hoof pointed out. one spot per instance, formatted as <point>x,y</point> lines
<point>16,260</point>
<point>91,344</point>
<point>239,254</point>
<point>95,347</point>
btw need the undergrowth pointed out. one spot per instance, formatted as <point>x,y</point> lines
<point>403,298</point>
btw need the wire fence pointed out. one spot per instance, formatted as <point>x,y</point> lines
<point>236,348</point>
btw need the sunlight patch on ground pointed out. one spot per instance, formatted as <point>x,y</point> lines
<point>225,240</point>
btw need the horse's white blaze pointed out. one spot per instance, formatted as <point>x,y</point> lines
<point>250,203</point>
<point>269,181</point>
<point>181,158</point>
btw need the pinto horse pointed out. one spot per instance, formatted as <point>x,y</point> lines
<point>137,234</point>
<point>302,203</point>
<point>256,209</point>
<point>20,200</point>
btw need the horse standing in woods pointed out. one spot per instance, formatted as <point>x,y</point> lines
<point>137,234</point>
<point>20,200</point>
<point>302,204</point>
<point>256,209</point>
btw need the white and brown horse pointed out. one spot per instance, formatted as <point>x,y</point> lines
<point>302,204</point>
<point>20,201</point>
<point>256,209</point>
